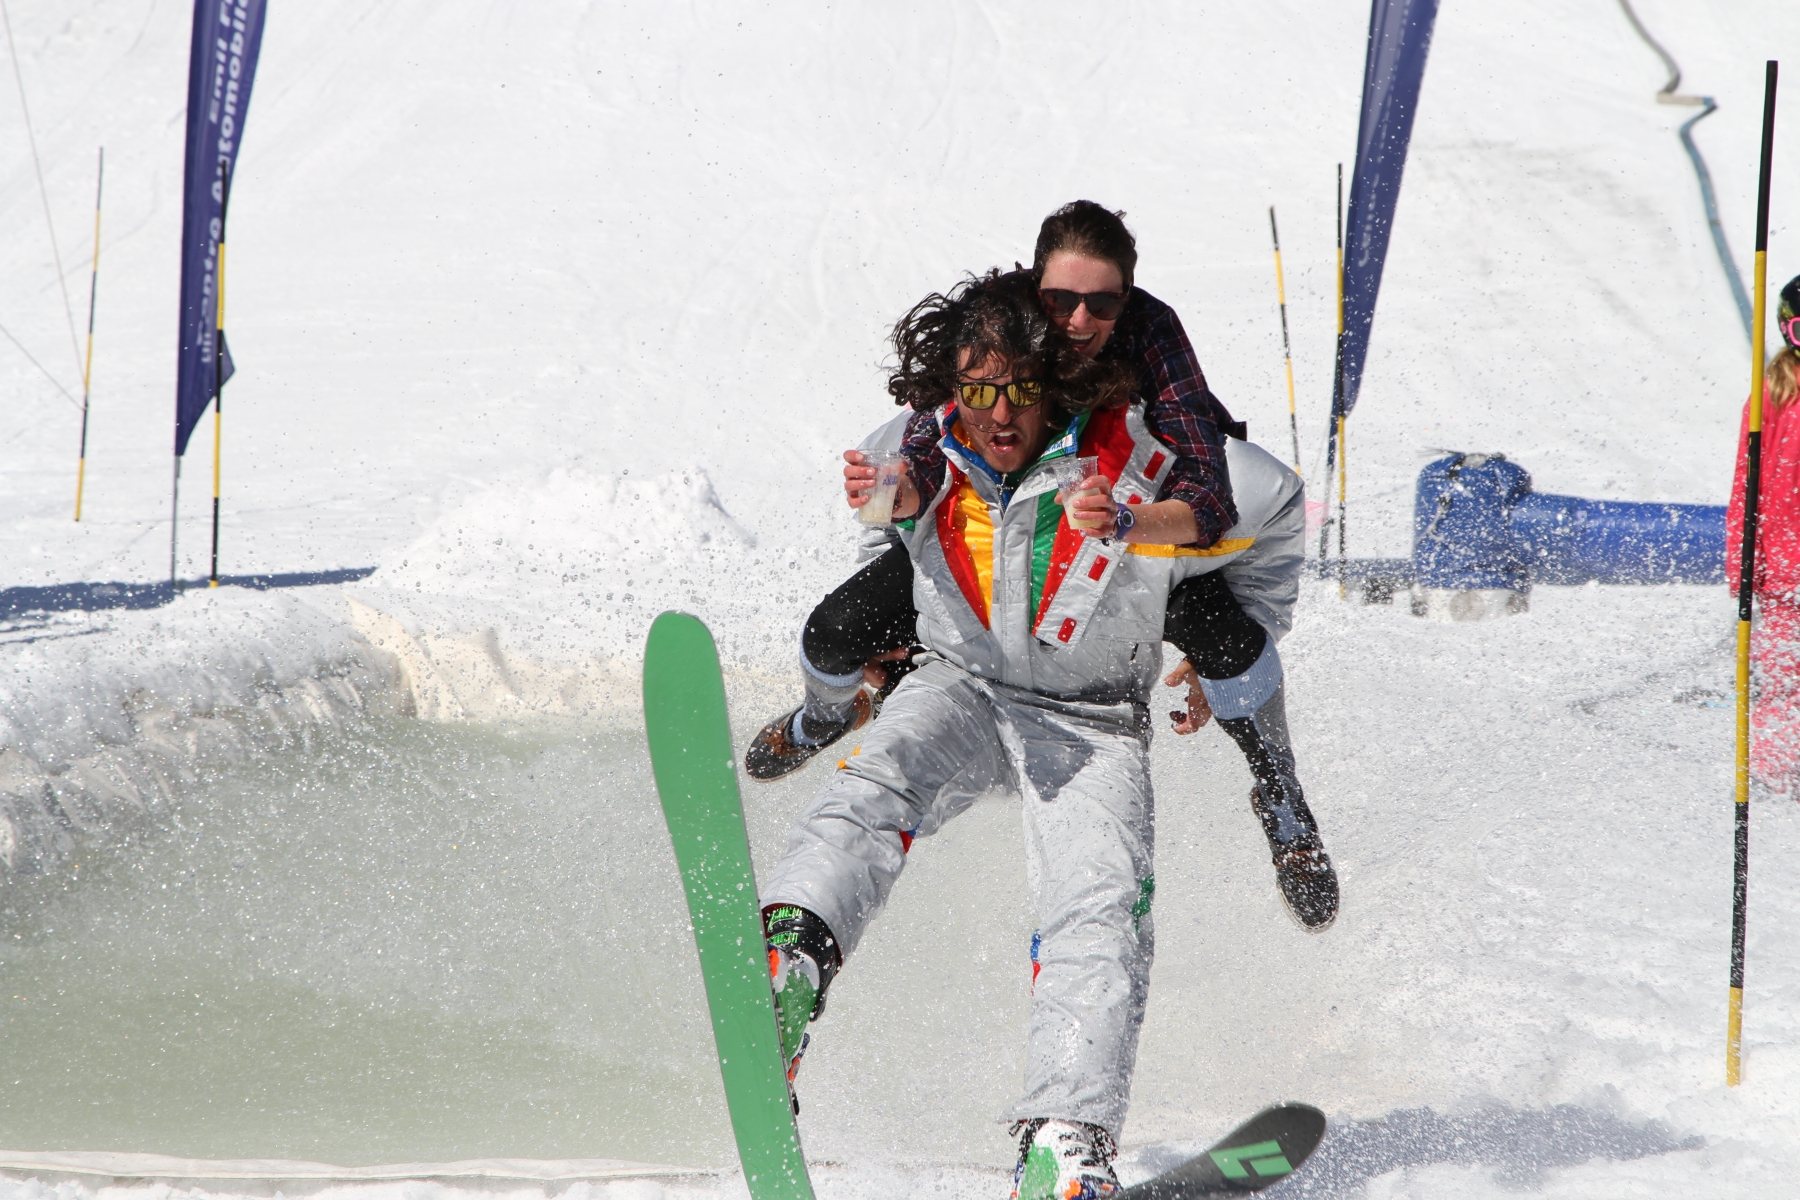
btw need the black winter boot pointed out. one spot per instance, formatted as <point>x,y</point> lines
<point>1302,868</point>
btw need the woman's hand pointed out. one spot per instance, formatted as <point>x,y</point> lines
<point>875,673</point>
<point>1164,523</point>
<point>1090,506</point>
<point>1199,712</point>
<point>859,478</point>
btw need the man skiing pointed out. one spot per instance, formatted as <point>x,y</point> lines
<point>1043,644</point>
<point>1225,622</point>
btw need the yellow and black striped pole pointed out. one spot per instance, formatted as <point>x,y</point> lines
<point>87,362</point>
<point>1334,432</point>
<point>1740,878</point>
<point>1287,354</point>
<point>219,363</point>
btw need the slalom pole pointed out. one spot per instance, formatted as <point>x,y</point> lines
<point>1343,483</point>
<point>1287,355</point>
<point>219,365</point>
<point>1342,447</point>
<point>1335,430</point>
<point>1340,269</point>
<point>1740,876</point>
<point>174,525</point>
<point>87,362</point>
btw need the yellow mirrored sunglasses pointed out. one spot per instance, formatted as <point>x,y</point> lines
<point>1021,393</point>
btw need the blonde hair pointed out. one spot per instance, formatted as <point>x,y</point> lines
<point>1783,377</point>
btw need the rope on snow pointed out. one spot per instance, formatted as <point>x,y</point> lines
<point>1667,94</point>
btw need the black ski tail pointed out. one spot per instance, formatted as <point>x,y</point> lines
<point>1262,1151</point>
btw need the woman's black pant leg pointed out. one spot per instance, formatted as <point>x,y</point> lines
<point>871,612</point>
<point>1206,624</point>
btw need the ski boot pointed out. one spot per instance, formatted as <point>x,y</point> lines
<point>803,960</point>
<point>789,741</point>
<point>1064,1160</point>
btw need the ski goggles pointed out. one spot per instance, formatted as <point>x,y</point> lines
<point>1021,393</point>
<point>1102,306</point>
<point>1790,331</point>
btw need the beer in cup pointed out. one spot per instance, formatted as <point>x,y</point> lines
<point>880,508</point>
<point>1070,471</point>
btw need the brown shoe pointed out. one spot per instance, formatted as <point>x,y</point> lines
<point>1305,875</point>
<point>775,753</point>
<point>1310,887</point>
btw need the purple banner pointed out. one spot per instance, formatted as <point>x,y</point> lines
<point>1399,38</point>
<point>221,64</point>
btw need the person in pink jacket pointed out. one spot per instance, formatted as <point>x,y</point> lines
<point>1775,637</point>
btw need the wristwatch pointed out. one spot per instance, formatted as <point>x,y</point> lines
<point>1125,520</point>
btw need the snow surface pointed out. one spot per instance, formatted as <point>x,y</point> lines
<point>560,318</point>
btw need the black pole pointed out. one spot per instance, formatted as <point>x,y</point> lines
<point>1337,379</point>
<point>219,360</point>
<point>174,525</point>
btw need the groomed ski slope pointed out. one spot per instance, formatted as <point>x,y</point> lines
<point>560,318</point>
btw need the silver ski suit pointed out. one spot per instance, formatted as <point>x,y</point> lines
<point>1264,579</point>
<point>1045,647</point>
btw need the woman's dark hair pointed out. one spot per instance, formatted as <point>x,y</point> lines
<point>1084,227</point>
<point>997,315</point>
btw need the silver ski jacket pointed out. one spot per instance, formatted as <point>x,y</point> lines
<point>1007,590</point>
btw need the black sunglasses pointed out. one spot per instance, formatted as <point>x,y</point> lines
<point>1102,306</point>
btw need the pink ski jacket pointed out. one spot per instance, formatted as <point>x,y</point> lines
<point>1777,509</point>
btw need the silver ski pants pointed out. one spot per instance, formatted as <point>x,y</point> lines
<point>944,738</point>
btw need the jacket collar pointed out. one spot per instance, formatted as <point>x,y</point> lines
<point>957,448</point>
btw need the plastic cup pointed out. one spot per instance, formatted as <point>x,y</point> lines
<point>880,508</point>
<point>1070,471</point>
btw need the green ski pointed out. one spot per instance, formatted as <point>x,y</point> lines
<point>696,776</point>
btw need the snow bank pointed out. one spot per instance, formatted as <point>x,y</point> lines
<point>536,594</point>
<point>102,714</point>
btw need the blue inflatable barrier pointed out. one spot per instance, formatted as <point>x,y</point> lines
<point>1462,538</point>
<point>1478,524</point>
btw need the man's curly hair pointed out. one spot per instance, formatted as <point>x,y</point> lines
<point>997,315</point>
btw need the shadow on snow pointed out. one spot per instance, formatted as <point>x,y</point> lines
<point>1519,1145</point>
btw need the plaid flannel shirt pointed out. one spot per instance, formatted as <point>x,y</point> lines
<point>1179,409</point>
